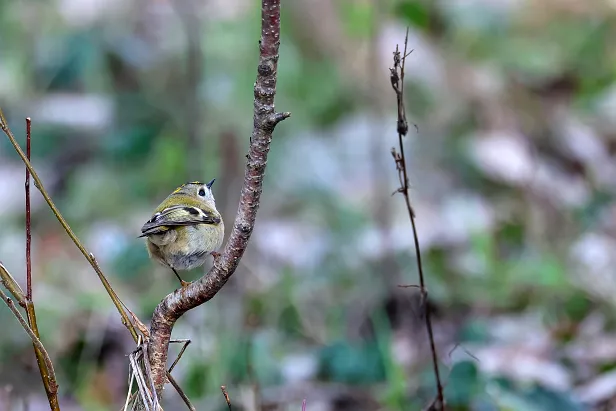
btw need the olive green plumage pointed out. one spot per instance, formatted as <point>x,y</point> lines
<point>185,228</point>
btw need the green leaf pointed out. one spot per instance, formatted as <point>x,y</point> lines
<point>463,384</point>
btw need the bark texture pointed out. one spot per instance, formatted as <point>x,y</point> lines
<point>177,303</point>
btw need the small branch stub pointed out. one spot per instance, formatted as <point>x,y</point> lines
<point>226,395</point>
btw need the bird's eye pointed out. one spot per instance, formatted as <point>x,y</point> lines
<point>202,193</point>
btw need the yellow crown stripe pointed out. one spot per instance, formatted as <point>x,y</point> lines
<point>184,185</point>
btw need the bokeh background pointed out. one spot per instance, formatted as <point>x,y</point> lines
<point>513,174</point>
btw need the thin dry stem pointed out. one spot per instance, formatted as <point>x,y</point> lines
<point>148,374</point>
<point>265,120</point>
<point>49,381</point>
<point>51,375</point>
<point>180,392</point>
<point>28,223</point>
<point>50,386</point>
<point>397,83</point>
<point>226,395</point>
<point>129,397</point>
<point>89,256</point>
<point>146,398</point>
<point>7,280</point>
<point>186,343</point>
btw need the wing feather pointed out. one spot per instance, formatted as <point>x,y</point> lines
<point>178,216</point>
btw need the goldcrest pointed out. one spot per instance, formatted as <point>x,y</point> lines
<point>185,228</point>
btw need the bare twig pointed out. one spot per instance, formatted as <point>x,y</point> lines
<point>172,381</point>
<point>304,405</point>
<point>148,374</point>
<point>51,376</point>
<point>226,395</point>
<point>467,352</point>
<point>397,83</point>
<point>265,120</point>
<point>42,358</point>
<point>49,382</point>
<point>185,342</point>
<point>7,280</point>
<point>129,396</point>
<point>50,386</point>
<point>180,392</point>
<point>146,397</point>
<point>89,256</point>
<point>28,226</point>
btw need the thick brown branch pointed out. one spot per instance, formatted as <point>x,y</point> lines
<point>265,120</point>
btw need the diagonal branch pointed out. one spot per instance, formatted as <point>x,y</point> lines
<point>265,120</point>
<point>9,282</point>
<point>51,376</point>
<point>89,256</point>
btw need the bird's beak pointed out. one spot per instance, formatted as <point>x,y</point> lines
<point>210,184</point>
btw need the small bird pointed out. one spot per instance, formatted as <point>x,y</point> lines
<point>185,228</point>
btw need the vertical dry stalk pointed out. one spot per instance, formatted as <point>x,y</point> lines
<point>89,256</point>
<point>47,370</point>
<point>42,358</point>
<point>50,384</point>
<point>9,282</point>
<point>265,120</point>
<point>397,83</point>
<point>28,226</point>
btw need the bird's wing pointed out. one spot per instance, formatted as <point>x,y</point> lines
<point>178,216</point>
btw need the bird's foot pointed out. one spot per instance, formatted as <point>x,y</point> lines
<point>216,256</point>
<point>184,283</point>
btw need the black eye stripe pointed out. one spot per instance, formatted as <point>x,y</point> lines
<point>191,210</point>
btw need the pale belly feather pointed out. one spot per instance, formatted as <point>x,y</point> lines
<point>186,255</point>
